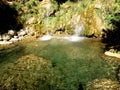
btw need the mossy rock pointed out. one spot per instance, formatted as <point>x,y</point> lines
<point>103,84</point>
<point>28,73</point>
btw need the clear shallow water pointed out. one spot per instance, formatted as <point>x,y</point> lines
<point>77,62</point>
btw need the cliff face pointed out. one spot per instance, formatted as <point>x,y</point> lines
<point>58,16</point>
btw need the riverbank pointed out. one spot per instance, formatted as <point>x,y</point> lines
<point>12,45</point>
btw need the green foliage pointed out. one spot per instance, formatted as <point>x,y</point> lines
<point>112,15</point>
<point>112,32</point>
<point>95,14</point>
<point>26,10</point>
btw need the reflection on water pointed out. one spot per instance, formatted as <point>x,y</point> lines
<point>78,62</point>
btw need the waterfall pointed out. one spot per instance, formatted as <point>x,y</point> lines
<point>79,29</point>
<point>77,25</point>
<point>47,36</point>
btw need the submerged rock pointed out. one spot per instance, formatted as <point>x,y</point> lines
<point>103,84</point>
<point>27,73</point>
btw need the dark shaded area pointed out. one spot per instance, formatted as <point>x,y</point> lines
<point>118,73</point>
<point>8,18</point>
<point>2,88</point>
<point>112,37</point>
<point>63,1</point>
<point>80,87</point>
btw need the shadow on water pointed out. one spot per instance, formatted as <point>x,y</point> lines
<point>8,18</point>
<point>10,55</point>
<point>112,37</point>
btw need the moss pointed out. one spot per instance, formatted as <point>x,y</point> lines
<point>28,72</point>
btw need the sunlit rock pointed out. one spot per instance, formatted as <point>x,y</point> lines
<point>5,42</point>
<point>112,54</point>
<point>11,32</point>
<point>14,39</point>
<point>6,37</point>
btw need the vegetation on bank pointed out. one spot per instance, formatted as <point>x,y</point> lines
<point>56,17</point>
<point>112,33</point>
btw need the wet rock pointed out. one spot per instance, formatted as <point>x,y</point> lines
<point>5,42</point>
<point>14,39</point>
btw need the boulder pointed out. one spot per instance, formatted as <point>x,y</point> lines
<point>22,33</point>
<point>11,32</point>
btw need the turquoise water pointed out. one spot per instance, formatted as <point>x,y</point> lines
<point>77,62</point>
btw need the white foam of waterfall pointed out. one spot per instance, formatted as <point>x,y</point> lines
<point>47,36</point>
<point>78,31</point>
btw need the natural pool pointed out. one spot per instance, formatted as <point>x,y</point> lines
<point>74,63</point>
